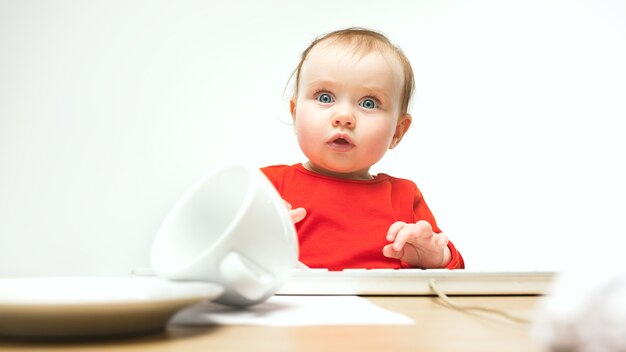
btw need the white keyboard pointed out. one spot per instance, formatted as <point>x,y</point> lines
<point>416,282</point>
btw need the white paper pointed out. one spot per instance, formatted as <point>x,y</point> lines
<point>293,311</point>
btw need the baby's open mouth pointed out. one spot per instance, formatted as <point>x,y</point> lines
<point>341,143</point>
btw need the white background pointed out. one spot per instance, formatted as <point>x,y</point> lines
<point>109,110</point>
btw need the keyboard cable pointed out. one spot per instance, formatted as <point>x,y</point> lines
<point>450,303</point>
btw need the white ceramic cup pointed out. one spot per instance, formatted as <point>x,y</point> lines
<point>231,228</point>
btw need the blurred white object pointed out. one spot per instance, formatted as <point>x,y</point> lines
<point>586,312</point>
<point>64,307</point>
<point>301,265</point>
<point>231,228</point>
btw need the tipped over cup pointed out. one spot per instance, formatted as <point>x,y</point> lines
<point>230,228</point>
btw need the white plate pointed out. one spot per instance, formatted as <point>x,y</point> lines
<point>53,307</point>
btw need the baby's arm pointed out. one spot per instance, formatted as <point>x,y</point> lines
<point>417,245</point>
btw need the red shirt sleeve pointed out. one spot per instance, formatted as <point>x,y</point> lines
<point>456,261</point>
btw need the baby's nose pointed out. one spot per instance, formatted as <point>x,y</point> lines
<point>344,118</point>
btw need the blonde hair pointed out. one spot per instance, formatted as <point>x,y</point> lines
<point>365,41</point>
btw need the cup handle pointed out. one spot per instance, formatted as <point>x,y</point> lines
<point>245,277</point>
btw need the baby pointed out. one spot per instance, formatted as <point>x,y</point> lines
<point>349,106</point>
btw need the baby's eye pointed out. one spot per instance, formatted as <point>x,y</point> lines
<point>368,103</point>
<point>325,98</point>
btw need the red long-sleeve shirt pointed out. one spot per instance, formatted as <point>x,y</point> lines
<point>347,220</point>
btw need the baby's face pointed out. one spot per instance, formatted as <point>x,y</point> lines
<point>347,111</point>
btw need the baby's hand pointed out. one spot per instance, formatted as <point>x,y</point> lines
<point>296,214</point>
<point>417,245</point>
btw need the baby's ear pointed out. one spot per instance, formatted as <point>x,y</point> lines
<point>404,122</point>
<point>292,108</point>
